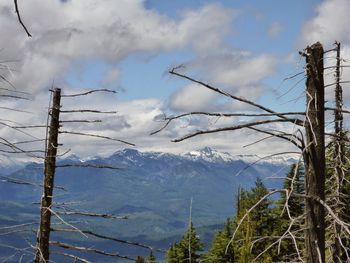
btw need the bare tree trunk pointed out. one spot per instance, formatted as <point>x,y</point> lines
<point>42,245</point>
<point>338,156</point>
<point>314,156</point>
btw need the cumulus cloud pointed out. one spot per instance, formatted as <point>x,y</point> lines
<point>330,24</point>
<point>67,31</point>
<point>240,73</point>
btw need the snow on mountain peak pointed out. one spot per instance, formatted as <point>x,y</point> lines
<point>212,155</point>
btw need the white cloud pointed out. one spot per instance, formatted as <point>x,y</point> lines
<point>331,23</point>
<point>193,97</point>
<point>237,72</point>
<point>65,32</point>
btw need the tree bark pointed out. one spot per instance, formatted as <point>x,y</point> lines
<point>314,156</point>
<point>339,157</point>
<point>43,237</point>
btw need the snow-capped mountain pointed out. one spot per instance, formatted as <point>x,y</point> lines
<point>154,189</point>
<point>212,155</point>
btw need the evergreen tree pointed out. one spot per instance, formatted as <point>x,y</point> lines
<point>294,183</point>
<point>172,255</point>
<point>257,225</point>
<point>151,258</point>
<point>338,197</point>
<point>187,249</point>
<point>217,251</point>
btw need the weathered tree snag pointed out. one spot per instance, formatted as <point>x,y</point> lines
<point>339,158</point>
<point>42,245</point>
<point>314,156</point>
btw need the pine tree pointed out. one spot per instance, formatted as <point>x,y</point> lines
<point>257,225</point>
<point>172,255</point>
<point>294,184</point>
<point>217,251</point>
<point>151,258</point>
<point>187,249</point>
<point>338,197</point>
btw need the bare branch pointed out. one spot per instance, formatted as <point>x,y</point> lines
<point>29,127</point>
<point>299,122</point>
<point>89,92</point>
<point>13,96</point>
<point>91,111</point>
<point>281,135</point>
<point>97,136</point>
<point>109,238</point>
<point>89,166</point>
<point>86,249</point>
<point>6,108</point>
<point>337,110</point>
<point>232,128</point>
<point>23,182</point>
<point>262,158</point>
<point>248,212</point>
<point>20,20</point>
<point>92,215</point>
<point>83,121</point>
<point>335,83</point>
<point>17,226</point>
<point>31,141</point>
<point>218,114</point>
<point>76,258</point>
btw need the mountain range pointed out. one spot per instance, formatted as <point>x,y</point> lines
<point>152,189</point>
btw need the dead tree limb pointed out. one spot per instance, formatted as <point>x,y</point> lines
<point>76,258</point>
<point>42,246</point>
<point>226,94</point>
<point>282,135</point>
<point>232,128</point>
<point>81,121</point>
<point>89,92</point>
<point>86,249</point>
<point>314,156</point>
<point>88,166</point>
<point>20,20</point>
<point>109,238</point>
<point>97,136</point>
<point>91,111</point>
<point>218,114</point>
<point>92,215</point>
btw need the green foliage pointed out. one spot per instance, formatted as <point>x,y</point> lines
<point>217,251</point>
<point>262,226</point>
<point>151,258</point>
<point>294,183</point>
<point>338,196</point>
<point>187,249</point>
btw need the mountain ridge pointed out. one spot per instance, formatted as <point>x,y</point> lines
<point>153,189</point>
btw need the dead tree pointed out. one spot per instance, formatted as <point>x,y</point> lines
<point>43,238</point>
<point>20,19</point>
<point>338,178</point>
<point>50,209</point>
<point>314,156</point>
<point>309,138</point>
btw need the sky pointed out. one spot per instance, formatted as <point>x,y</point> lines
<point>246,48</point>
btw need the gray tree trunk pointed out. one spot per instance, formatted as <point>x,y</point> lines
<point>314,156</point>
<point>43,238</point>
